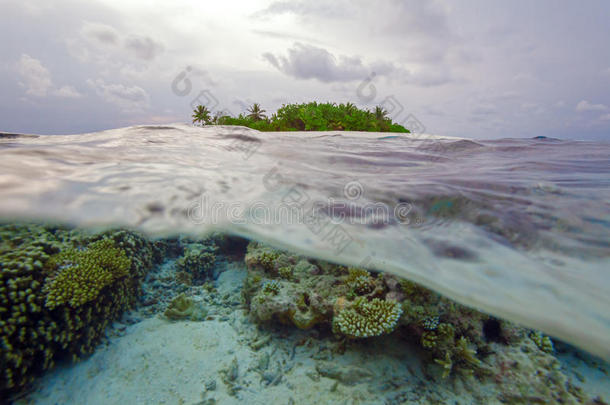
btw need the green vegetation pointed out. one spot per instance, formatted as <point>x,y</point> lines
<point>311,116</point>
<point>201,115</point>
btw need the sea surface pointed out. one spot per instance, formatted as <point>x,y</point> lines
<point>519,228</point>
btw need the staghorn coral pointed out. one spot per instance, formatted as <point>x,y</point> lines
<point>368,318</point>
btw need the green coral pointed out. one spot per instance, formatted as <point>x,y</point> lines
<point>271,287</point>
<point>368,318</point>
<point>360,282</point>
<point>83,274</point>
<point>46,312</point>
<point>285,272</point>
<point>543,342</point>
<point>465,353</point>
<point>446,363</point>
<point>267,259</point>
<point>184,307</point>
<point>198,260</point>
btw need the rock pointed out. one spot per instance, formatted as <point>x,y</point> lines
<point>348,375</point>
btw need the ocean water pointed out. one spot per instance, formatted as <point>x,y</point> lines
<point>518,228</point>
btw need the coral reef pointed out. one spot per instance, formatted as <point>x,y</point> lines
<point>271,287</point>
<point>367,318</point>
<point>543,342</point>
<point>198,260</point>
<point>454,341</point>
<point>82,274</point>
<point>59,289</point>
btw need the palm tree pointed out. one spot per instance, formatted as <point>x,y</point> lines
<point>350,107</point>
<point>256,113</point>
<point>201,115</point>
<point>380,114</point>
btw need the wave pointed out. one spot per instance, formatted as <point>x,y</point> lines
<point>516,228</point>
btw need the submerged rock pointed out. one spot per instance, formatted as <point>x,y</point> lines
<point>184,307</point>
<point>348,375</point>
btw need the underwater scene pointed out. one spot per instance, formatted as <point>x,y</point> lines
<point>222,265</point>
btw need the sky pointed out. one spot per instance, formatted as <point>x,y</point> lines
<point>472,68</point>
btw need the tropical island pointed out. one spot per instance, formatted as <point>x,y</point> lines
<point>310,116</point>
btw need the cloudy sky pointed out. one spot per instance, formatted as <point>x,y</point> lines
<point>471,68</point>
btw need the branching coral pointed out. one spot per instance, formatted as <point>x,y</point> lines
<point>271,287</point>
<point>46,310</point>
<point>543,342</point>
<point>83,274</point>
<point>368,318</point>
<point>285,272</point>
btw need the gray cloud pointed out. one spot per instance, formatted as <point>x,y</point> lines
<point>97,39</point>
<point>102,33</point>
<point>128,98</point>
<point>143,47</point>
<point>311,62</point>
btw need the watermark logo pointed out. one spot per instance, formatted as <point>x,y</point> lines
<point>182,85</point>
<point>366,90</point>
<point>393,107</point>
<point>206,99</point>
<point>414,125</point>
<point>353,190</point>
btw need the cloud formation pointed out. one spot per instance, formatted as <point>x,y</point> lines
<point>99,42</point>
<point>37,82</point>
<point>127,98</point>
<point>584,105</point>
<point>310,62</point>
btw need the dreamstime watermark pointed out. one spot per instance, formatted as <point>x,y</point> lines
<point>182,86</point>
<point>325,219</point>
